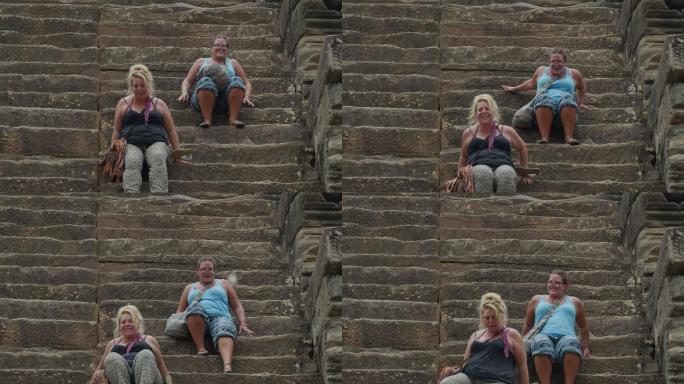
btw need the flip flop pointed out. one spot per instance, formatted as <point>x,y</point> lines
<point>572,141</point>
<point>203,353</point>
<point>227,368</point>
<point>205,124</point>
<point>542,141</point>
<point>238,124</point>
<point>179,153</point>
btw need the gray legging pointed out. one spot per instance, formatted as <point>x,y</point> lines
<point>156,156</point>
<point>461,378</point>
<point>502,180</point>
<point>144,369</point>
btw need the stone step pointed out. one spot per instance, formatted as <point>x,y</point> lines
<point>491,81</point>
<point>390,275</point>
<point>389,67</point>
<point>621,115</point>
<point>391,260</point>
<point>44,217</point>
<point>422,172</point>
<point>263,99</point>
<point>181,261</point>
<point>370,25</point>
<point>602,58</point>
<point>399,376</point>
<point>279,345</point>
<point>390,246</point>
<point>570,43</point>
<point>566,206</point>
<point>190,32</point>
<point>164,308</point>
<point>18,53</point>
<point>57,142</point>
<point>49,83</point>
<point>516,310</point>
<point>221,134</point>
<point>244,364</point>
<point>583,187</point>
<point>588,235</point>
<point>182,56</point>
<point>27,25</point>
<point>517,100</point>
<point>570,172</point>
<point>50,333</point>
<point>65,40</point>
<point>355,83</point>
<point>240,187</point>
<point>414,293</point>
<point>48,275</point>
<point>525,291</point>
<point>254,234</point>
<point>187,14</point>
<point>284,173</point>
<point>530,14</point>
<point>70,292</point>
<point>403,11</point>
<point>262,325</point>
<point>167,85</point>
<point>248,207</point>
<point>461,329</point>
<point>45,185</point>
<point>464,246</point>
<point>352,52</point>
<point>10,244</point>
<point>264,39</point>
<point>165,221</point>
<point>47,260</point>
<point>48,117</point>
<point>60,232</point>
<point>457,273</point>
<point>124,248</point>
<point>391,141</point>
<point>48,309</point>
<point>378,218</point>
<point>418,204</point>
<point>121,274</point>
<point>408,100</point>
<point>371,359</point>
<point>496,27</point>
<point>25,359</point>
<point>534,261</point>
<point>391,117</point>
<point>506,222</point>
<point>390,309</point>
<point>82,12</point>
<point>151,290</point>
<point>406,39</point>
<point>238,378</point>
<point>395,334</point>
<point>72,100</point>
<point>400,232</point>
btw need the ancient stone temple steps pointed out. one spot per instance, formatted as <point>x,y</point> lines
<point>49,269</point>
<point>485,46</point>
<point>48,102</point>
<point>147,258</point>
<point>390,272</point>
<point>510,244</point>
<point>391,95</point>
<point>270,153</point>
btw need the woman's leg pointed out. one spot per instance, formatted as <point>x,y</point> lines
<point>483,176</point>
<point>156,156</point>
<point>459,378</point>
<point>206,99</point>
<point>544,116</point>
<point>235,97</point>
<point>226,345</point>
<point>145,368</point>
<point>116,369</point>
<point>571,363</point>
<point>505,180</point>
<point>569,352</point>
<point>132,177</point>
<point>542,353</point>
<point>568,116</point>
<point>197,327</point>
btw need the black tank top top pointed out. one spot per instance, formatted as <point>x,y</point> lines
<point>479,154</point>
<point>488,362</point>
<point>138,346</point>
<point>142,134</point>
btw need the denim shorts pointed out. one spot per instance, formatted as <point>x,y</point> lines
<point>556,105</point>
<point>216,326</point>
<point>556,347</point>
<point>221,97</point>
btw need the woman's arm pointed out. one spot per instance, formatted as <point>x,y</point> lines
<point>183,302</point>
<point>248,85</point>
<point>108,349</point>
<point>580,87</point>
<point>527,85</point>
<point>236,305</point>
<point>518,347</point>
<point>465,140</point>
<point>158,357</point>
<point>519,145</point>
<point>581,321</point>
<point>529,315</point>
<point>118,119</point>
<point>189,80</point>
<point>168,124</point>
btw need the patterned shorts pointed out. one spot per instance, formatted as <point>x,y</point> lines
<point>556,347</point>
<point>217,326</point>
<point>556,104</point>
<point>221,97</point>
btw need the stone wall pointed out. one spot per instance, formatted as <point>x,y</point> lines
<point>666,114</point>
<point>666,306</point>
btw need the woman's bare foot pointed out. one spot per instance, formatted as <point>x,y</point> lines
<point>227,368</point>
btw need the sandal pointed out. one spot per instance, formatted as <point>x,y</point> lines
<point>238,124</point>
<point>205,124</point>
<point>543,141</point>
<point>203,353</point>
<point>571,141</point>
<point>227,368</point>
<point>177,154</point>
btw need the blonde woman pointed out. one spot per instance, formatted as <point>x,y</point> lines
<point>146,124</point>
<point>486,147</point>
<point>133,357</point>
<point>494,352</point>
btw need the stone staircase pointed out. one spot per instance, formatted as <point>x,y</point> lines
<point>411,70</point>
<point>64,67</point>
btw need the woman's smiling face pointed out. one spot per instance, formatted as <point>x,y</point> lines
<point>483,112</point>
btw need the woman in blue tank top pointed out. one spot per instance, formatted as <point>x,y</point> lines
<point>132,356</point>
<point>556,341</point>
<point>556,85</point>
<point>210,305</point>
<point>208,94</point>
<point>493,353</point>
<point>486,151</point>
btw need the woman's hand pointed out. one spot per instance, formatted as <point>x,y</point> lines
<point>527,179</point>
<point>167,379</point>
<point>183,97</point>
<point>585,351</point>
<point>248,100</point>
<point>448,371</point>
<point>508,88</point>
<point>243,328</point>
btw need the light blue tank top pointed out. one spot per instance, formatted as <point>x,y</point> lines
<point>562,322</point>
<point>561,87</point>
<point>229,66</point>
<point>214,301</point>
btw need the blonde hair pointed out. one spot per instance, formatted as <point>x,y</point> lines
<point>140,71</point>
<point>487,98</point>
<point>493,301</point>
<point>135,316</point>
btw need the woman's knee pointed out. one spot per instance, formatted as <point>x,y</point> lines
<point>459,378</point>
<point>483,177</point>
<point>113,359</point>
<point>157,154</point>
<point>144,357</point>
<point>133,158</point>
<point>505,179</point>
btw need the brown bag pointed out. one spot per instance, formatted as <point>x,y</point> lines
<point>465,184</point>
<point>99,377</point>
<point>112,164</point>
